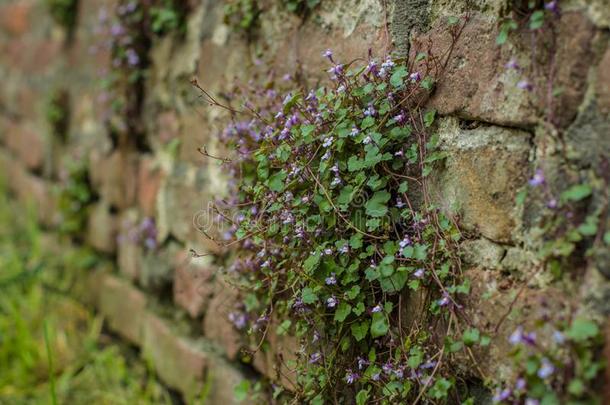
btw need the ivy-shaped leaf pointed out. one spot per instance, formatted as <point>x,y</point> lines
<point>376,205</point>
<point>379,325</point>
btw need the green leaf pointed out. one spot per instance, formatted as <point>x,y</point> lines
<point>241,390</point>
<point>394,283</point>
<point>397,77</point>
<point>276,181</point>
<point>577,192</point>
<point>362,397</point>
<point>416,357</point>
<point>582,329</point>
<point>471,336</point>
<point>376,205</point>
<point>359,308</point>
<point>429,118</point>
<point>360,329</point>
<point>311,263</point>
<point>308,296</point>
<point>367,122</point>
<point>537,19</point>
<point>379,325</point>
<point>353,292</point>
<point>343,310</point>
<point>440,389</point>
<point>284,327</point>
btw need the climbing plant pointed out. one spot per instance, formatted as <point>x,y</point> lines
<point>338,232</point>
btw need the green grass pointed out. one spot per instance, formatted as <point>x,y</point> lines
<point>52,347</point>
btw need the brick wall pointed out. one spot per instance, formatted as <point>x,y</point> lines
<point>176,306</point>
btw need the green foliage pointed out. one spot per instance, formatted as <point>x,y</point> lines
<point>167,16</point>
<point>560,369</point>
<point>58,114</point>
<point>52,345</point>
<point>242,15</point>
<point>74,199</point>
<point>64,12</point>
<point>330,244</point>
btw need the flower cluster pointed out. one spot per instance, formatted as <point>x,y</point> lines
<point>329,238</point>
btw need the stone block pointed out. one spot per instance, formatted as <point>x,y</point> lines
<point>222,378</point>
<point>150,178</point>
<point>216,324</point>
<point>124,307</point>
<point>193,284</point>
<point>115,177</point>
<point>15,17</point>
<point>102,228</point>
<point>482,253</point>
<point>179,362</point>
<point>483,171</point>
<point>27,144</point>
<point>477,85</point>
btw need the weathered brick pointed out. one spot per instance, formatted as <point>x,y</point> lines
<point>130,253</point>
<point>102,228</point>
<point>179,362</point>
<point>477,85</point>
<point>192,283</point>
<point>15,17</point>
<point>115,177</point>
<point>216,324</point>
<point>27,144</point>
<point>222,378</point>
<point>484,169</point>
<point>603,83</point>
<point>124,307</point>
<point>150,177</point>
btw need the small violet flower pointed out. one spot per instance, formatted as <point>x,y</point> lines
<point>419,273</point>
<point>377,308</point>
<point>331,280</point>
<point>351,377</point>
<point>502,395</point>
<point>525,85</point>
<point>315,357</point>
<point>328,54</point>
<point>415,77</point>
<point>546,369</point>
<point>331,302</point>
<point>367,140</point>
<point>538,178</point>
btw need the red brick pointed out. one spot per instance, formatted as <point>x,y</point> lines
<point>150,177</point>
<point>603,83</point>
<point>192,283</point>
<point>102,228</point>
<point>15,17</point>
<point>124,307</point>
<point>28,145</point>
<point>216,324</point>
<point>179,362</point>
<point>115,176</point>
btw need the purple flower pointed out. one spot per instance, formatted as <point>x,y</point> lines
<point>531,401</point>
<point>328,141</point>
<point>367,140</point>
<point>387,368</point>
<point>502,395</point>
<point>399,203</point>
<point>538,178</point>
<point>328,54</point>
<point>406,240</point>
<point>314,358</point>
<point>399,153</point>
<point>331,302</point>
<point>328,251</point>
<point>377,308</point>
<point>117,30</point>
<point>370,111</point>
<point>552,6</point>
<point>376,377</point>
<point>331,280</point>
<point>238,319</point>
<point>419,273</point>
<point>444,301</point>
<point>400,118</point>
<point>336,70</point>
<point>512,64</point>
<point>362,363</point>
<point>355,131</point>
<point>344,249</point>
<point>559,337</point>
<point>525,85</point>
<point>546,369</point>
<point>415,77</point>
<point>552,203</point>
<point>520,384</point>
<point>351,377</point>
